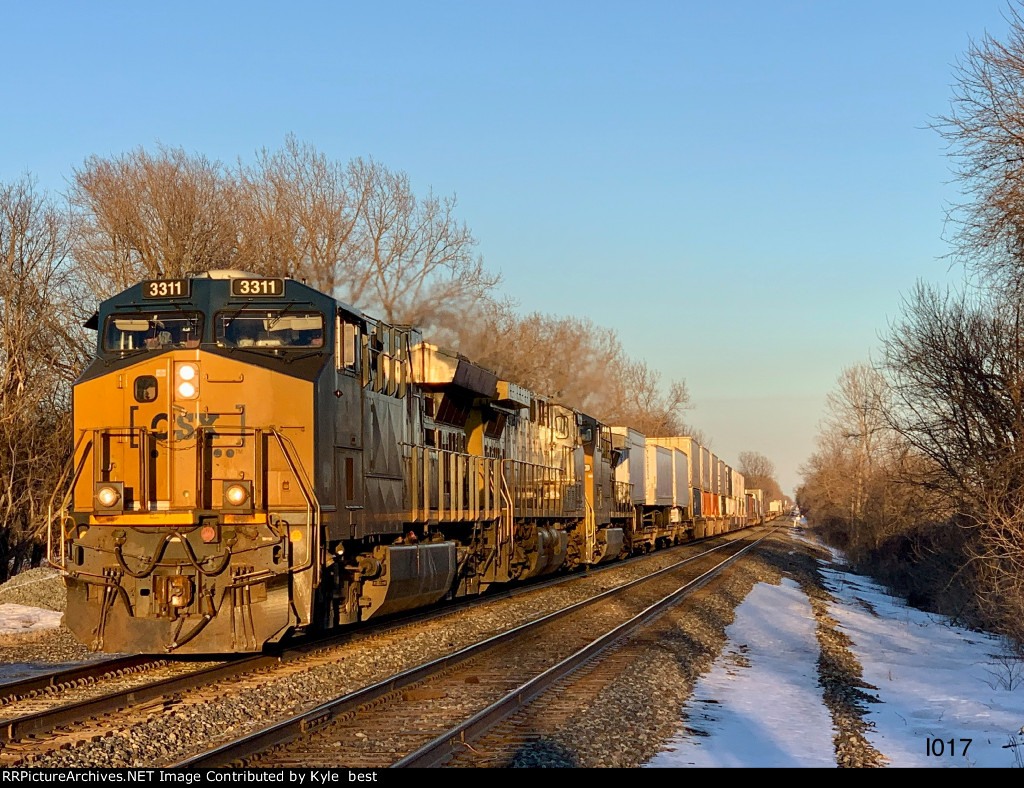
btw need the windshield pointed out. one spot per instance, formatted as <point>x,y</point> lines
<point>149,331</point>
<point>271,328</point>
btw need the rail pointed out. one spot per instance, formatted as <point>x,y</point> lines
<point>314,719</point>
<point>437,751</point>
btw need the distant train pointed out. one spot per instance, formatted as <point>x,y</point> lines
<point>254,459</point>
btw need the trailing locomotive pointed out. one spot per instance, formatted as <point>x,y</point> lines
<point>254,459</point>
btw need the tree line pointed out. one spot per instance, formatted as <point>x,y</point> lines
<point>355,229</point>
<point>919,470</point>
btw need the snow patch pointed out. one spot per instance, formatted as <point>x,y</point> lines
<point>17,619</point>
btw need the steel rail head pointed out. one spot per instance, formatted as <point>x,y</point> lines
<point>437,751</point>
<point>283,732</point>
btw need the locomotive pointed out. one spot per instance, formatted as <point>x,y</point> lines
<point>254,459</point>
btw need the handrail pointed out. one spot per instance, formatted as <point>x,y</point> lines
<point>286,445</point>
<point>459,474</point>
<point>128,432</point>
<point>510,506</point>
<point>313,511</point>
<point>66,501</point>
<point>533,477</point>
<point>622,498</point>
<point>590,527</point>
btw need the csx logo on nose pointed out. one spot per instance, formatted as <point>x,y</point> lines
<point>185,423</point>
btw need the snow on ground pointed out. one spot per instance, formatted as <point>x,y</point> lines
<point>767,671</point>
<point>16,619</point>
<point>939,684</point>
<point>949,697</point>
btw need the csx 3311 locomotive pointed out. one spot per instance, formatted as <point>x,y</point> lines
<point>254,459</point>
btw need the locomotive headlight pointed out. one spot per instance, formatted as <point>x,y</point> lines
<point>236,495</point>
<point>107,496</point>
<point>188,381</point>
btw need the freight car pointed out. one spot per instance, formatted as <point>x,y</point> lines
<point>254,459</point>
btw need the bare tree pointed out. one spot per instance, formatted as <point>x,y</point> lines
<point>857,417</point>
<point>570,359</point>
<point>641,402</point>
<point>865,481</point>
<point>577,362</point>
<point>930,460</point>
<point>956,367</point>
<point>956,363</point>
<point>759,474</point>
<point>152,216</point>
<point>419,267</point>
<point>985,133</point>
<point>300,213</point>
<point>41,351</point>
<point>355,230</point>
<point>753,464</point>
<point>697,434</point>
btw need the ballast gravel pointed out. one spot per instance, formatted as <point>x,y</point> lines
<point>633,717</point>
<point>42,587</point>
<point>624,725</point>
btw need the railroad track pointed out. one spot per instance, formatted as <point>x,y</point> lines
<point>44,723</point>
<point>78,676</point>
<point>425,715</point>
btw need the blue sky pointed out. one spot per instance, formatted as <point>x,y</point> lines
<point>742,190</point>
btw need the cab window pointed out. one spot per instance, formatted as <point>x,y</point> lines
<point>270,329</point>
<point>152,331</point>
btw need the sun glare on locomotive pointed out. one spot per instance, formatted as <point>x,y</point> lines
<point>331,468</point>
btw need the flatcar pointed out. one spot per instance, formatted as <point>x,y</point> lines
<point>254,459</point>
